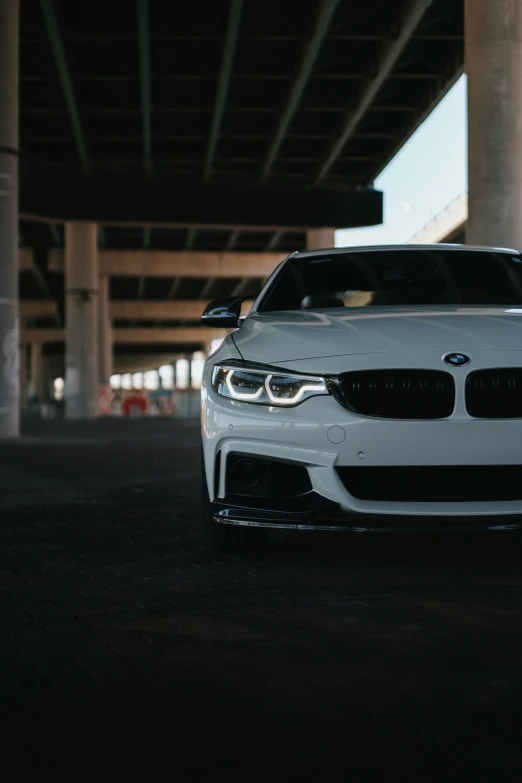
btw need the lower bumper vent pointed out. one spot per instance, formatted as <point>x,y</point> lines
<point>448,484</point>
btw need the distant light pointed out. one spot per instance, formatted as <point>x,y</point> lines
<point>166,372</point>
<point>137,380</point>
<point>197,372</point>
<point>150,380</point>
<point>406,206</point>
<point>59,386</point>
<point>182,374</point>
<point>126,381</point>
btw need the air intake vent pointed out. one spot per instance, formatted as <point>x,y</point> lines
<point>398,394</point>
<point>434,484</point>
<point>494,394</point>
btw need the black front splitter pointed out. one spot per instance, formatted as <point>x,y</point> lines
<point>335,520</point>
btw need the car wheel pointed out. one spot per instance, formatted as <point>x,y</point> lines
<point>228,538</point>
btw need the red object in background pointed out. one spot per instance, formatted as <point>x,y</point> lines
<point>133,400</point>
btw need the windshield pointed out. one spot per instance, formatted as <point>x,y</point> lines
<point>396,277</point>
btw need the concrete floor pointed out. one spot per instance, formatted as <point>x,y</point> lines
<point>128,652</point>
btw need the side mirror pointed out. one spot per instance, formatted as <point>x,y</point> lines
<point>225,313</point>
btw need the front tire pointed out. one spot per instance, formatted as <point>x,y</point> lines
<point>228,539</point>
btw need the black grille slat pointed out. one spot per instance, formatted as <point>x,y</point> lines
<point>446,484</point>
<point>495,394</point>
<point>399,394</point>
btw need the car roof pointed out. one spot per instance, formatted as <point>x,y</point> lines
<point>368,248</point>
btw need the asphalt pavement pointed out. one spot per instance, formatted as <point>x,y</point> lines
<point>129,652</point>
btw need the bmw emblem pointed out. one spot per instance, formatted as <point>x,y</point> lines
<point>457,359</point>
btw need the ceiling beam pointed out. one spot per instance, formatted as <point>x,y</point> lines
<point>229,48</point>
<point>389,57</point>
<point>64,75</point>
<point>178,263</point>
<point>125,336</point>
<point>326,12</point>
<point>135,200</point>
<point>146,244</point>
<point>189,241</point>
<point>144,55</point>
<point>149,309</point>
<point>236,109</point>
<point>40,278</point>
<point>175,137</point>
<point>256,77</point>
<point>171,335</point>
<point>267,37</point>
<point>269,229</point>
<point>38,308</point>
<point>25,259</point>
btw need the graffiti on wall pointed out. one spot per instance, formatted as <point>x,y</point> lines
<point>135,402</point>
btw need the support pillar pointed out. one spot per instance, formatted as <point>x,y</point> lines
<point>104,331</point>
<point>9,326</point>
<point>319,238</point>
<point>23,377</point>
<point>493,54</point>
<point>189,359</point>
<point>38,388</point>
<point>81,331</point>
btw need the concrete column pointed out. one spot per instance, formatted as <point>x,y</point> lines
<point>37,372</point>
<point>48,380</point>
<point>493,54</point>
<point>23,376</point>
<point>104,331</point>
<point>9,326</point>
<point>81,331</point>
<point>319,238</point>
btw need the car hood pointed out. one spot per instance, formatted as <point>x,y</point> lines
<point>304,334</point>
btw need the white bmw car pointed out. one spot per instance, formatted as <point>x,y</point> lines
<point>368,389</point>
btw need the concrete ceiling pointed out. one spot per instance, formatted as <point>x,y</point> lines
<point>210,127</point>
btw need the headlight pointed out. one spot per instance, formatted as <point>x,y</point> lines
<point>265,387</point>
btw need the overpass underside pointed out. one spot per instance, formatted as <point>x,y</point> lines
<point>168,156</point>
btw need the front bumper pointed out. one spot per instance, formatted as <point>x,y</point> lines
<point>322,435</point>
